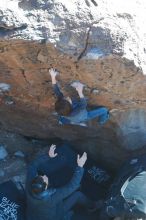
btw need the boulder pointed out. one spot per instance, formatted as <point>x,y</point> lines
<point>100,43</point>
<point>3,153</point>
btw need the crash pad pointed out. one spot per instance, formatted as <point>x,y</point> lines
<point>12,202</point>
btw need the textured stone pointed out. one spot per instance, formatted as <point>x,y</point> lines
<point>2,173</point>
<point>19,154</point>
<point>11,17</point>
<point>81,28</point>
<point>4,87</point>
<point>131,127</point>
<point>20,180</point>
<point>3,153</point>
<point>12,168</point>
<point>101,44</point>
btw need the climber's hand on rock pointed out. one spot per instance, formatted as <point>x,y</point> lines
<point>51,152</point>
<point>53,72</point>
<point>81,159</point>
<point>80,87</point>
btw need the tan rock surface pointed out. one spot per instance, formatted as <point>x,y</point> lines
<point>28,106</point>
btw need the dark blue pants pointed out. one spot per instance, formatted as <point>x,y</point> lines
<point>102,113</point>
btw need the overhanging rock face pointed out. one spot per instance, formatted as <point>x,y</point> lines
<point>100,43</point>
<point>85,29</point>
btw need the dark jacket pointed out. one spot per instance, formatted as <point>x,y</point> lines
<point>48,205</point>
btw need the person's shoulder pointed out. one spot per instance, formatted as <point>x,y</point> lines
<point>45,195</point>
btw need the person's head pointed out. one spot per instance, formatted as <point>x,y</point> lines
<point>63,107</point>
<point>39,184</point>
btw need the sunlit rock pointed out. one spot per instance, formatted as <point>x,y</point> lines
<point>102,44</point>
